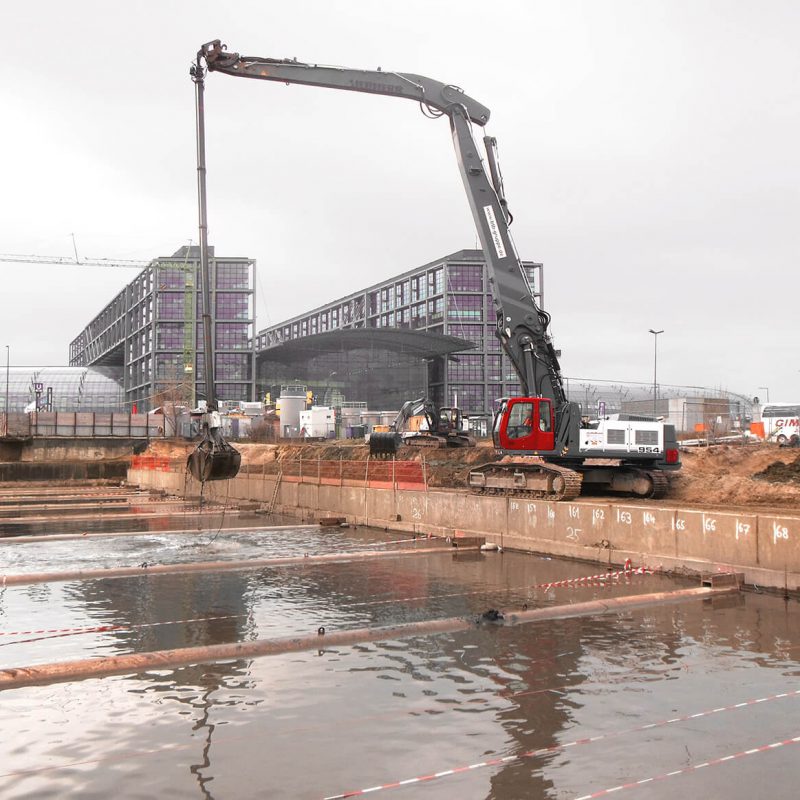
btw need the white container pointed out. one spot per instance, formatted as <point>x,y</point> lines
<point>318,422</point>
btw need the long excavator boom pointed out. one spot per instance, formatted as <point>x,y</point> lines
<point>436,96</point>
<point>521,325</point>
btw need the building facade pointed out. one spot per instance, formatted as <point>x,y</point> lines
<point>450,296</point>
<point>153,330</point>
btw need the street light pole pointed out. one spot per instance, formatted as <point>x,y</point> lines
<point>8,369</point>
<point>655,369</point>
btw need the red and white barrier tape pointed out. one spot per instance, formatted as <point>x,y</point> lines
<point>566,582</point>
<point>588,740</point>
<point>602,577</point>
<point>61,630</point>
<point>104,628</point>
<point>598,580</point>
<point>714,762</point>
<point>370,545</point>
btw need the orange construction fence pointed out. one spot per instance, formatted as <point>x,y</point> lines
<point>378,474</point>
<point>158,463</point>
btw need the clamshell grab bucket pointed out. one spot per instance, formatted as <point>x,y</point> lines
<point>211,462</point>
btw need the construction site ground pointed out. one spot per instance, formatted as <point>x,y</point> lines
<point>762,476</point>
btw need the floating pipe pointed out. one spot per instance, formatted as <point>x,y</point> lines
<point>65,537</point>
<point>209,513</point>
<point>16,677</point>
<point>211,566</point>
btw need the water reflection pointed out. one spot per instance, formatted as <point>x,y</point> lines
<point>318,723</point>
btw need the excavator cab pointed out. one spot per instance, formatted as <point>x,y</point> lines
<point>450,420</point>
<point>525,423</point>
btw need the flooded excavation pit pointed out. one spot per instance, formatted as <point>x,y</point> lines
<point>44,511</point>
<point>492,706</point>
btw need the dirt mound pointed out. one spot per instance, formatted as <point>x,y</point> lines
<point>725,475</point>
<point>174,449</point>
<point>781,472</point>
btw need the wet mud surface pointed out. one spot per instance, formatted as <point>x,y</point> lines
<point>780,472</point>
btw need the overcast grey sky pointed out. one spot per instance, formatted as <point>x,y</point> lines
<point>649,149</point>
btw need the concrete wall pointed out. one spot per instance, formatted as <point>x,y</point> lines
<point>53,449</point>
<point>86,448</point>
<point>764,546</point>
<point>63,471</point>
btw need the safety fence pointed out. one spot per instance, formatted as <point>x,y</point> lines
<point>374,474</point>
<point>382,474</point>
<point>80,424</point>
<point>155,463</point>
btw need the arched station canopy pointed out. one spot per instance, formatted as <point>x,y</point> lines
<point>421,344</point>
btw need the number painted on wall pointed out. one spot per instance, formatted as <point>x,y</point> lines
<point>624,517</point>
<point>649,518</point>
<point>572,534</point>
<point>598,516</point>
<point>742,528</point>
<point>678,524</point>
<point>779,532</point>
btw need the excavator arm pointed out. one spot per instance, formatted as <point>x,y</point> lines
<point>521,324</point>
<point>437,97</point>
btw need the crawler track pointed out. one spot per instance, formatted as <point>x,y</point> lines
<point>567,484</point>
<point>660,484</point>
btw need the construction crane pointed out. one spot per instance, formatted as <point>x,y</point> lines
<point>130,263</point>
<point>69,261</point>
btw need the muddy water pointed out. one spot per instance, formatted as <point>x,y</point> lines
<point>104,522</point>
<point>322,723</point>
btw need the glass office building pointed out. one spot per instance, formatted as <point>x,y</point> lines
<point>449,297</point>
<point>153,330</point>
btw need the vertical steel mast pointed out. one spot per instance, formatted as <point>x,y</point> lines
<point>198,76</point>
<point>213,458</point>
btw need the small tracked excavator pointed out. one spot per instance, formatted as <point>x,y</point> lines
<point>421,424</point>
<point>548,447</point>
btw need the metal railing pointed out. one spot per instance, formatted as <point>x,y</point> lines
<point>375,474</point>
<point>341,472</point>
<point>80,424</point>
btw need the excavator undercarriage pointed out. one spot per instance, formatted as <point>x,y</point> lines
<point>532,477</point>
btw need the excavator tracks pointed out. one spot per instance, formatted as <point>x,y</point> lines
<point>565,483</point>
<point>660,484</point>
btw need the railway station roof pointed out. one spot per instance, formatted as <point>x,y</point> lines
<point>421,344</point>
<point>62,388</point>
